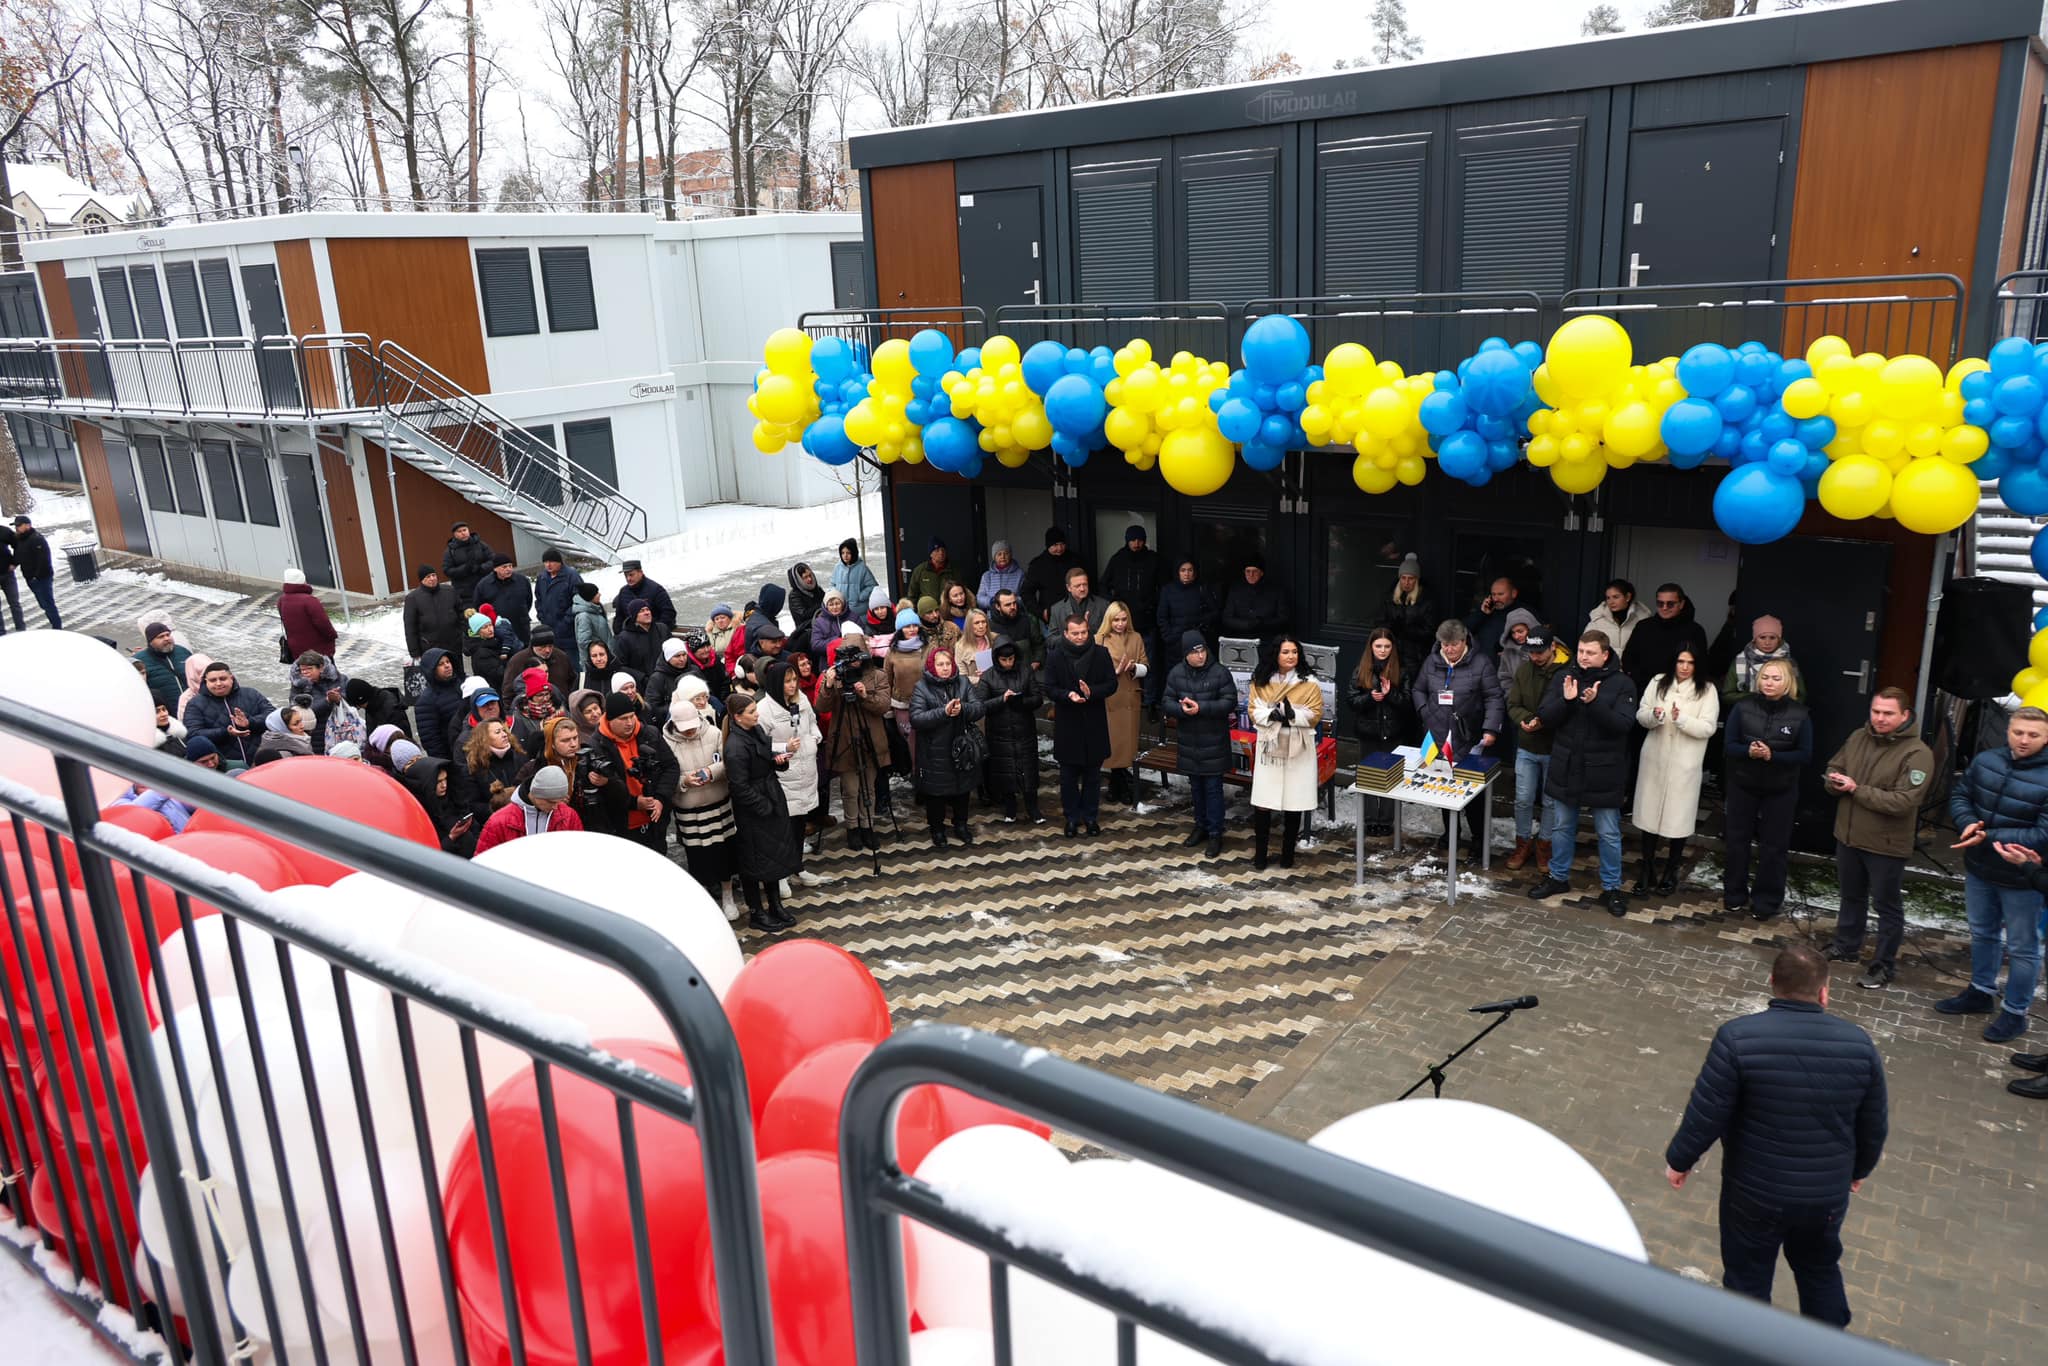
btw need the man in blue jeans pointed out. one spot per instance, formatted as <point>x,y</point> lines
<point>1538,660</point>
<point>1589,709</point>
<point>1796,1099</point>
<point>2002,799</point>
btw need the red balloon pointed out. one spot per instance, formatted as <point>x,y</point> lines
<point>59,994</point>
<point>358,793</point>
<point>958,1110</point>
<point>793,999</point>
<point>92,1117</point>
<point>672,1172</point>
<point>151,825</point>
<point>803,1114</point>
<point>803,1229</point>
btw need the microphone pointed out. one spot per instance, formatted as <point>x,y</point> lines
<point>1502,1007</point>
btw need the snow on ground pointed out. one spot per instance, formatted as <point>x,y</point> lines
<point>68,513</point>
<point>155,582</point>
<point>41,1329</point>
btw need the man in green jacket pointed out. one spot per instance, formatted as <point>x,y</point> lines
<point>929,580</point>
<point>1879,778</point>
<point>163,664</point>
<point>1542,656</point>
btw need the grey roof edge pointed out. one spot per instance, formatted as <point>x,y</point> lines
<point>1795,38</point>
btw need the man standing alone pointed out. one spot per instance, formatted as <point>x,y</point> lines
<point>1078,681</point>
<point>2002,799</point>
<point>1878,777</point>
<point>1796,1097</point>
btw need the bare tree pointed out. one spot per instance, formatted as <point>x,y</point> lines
<point>672,52</point>
<point>740,61</point>
<point>812,36</point>
<point>1600,19</point>
<point>582,36</point>
<point>1391,40</point>
<point>1669,13</point>
<point>390,46</point>
<point>34,68</point>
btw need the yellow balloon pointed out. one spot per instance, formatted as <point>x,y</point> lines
<point>1933,496</point>
<point>1316,422</point>
<point>1823,348</point>
<point>996,352</point>
<point>1884,438</point>
<point>1593,417</point>
<point>2038,697</point>
<point>1923,439</point>
<point>780,399</point>
<point>1960,371</point>
<point>1908,388</point>
<point>1143,390</point>
<point>1347,364</point>
<point>1370,477</point>
<point>1543,451</point>
<point>2037,651</point>
<point>768,439</point>
<point>2028,679</point>
<point>1385,413</point>
<point>1013,457</point>
<point>1587,356</point>
<point>863,424</point>
<point>1948,412</point>
<point>1964,444</point>
<point>1855,487</point>
<point>1126,428</point>
<point>1546,387</point>
<point>1409,469</point>
<point>892,366</point>
<point>1578,476</point>
<point>788,352</point>
<point>1851,409</point>
<point>1804,398</point>
<point>1838,374</point>
<point>1576,447</point>
<point>1631,430</point>
<point>1031,430</point>
<point>1195,461</point>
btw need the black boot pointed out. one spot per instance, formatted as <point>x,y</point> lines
<point>1131,792</point>
<point>1668,884</point>
<point>938,835</point>
<point>1262,836</point>
<point>1290,831</point>
<point>781,918</point>
<point>962,833</point>
<point>1646,881</point>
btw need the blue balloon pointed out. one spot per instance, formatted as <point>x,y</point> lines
<point>1754,449</point>
<point>2011,432</point>
<point>1493,344</point>
<point>1790,371</point>
<point>948,442</point>
<point>1778,425</point>
<point>1070,450</point>
<point>1445,379</point>
<point>1496,382</point>
<point>1978,412</point>
<point>1691,427</point>
<point>1690,461</point>
<point>1291,398</point>
<point>1787,457</point>
<point>1266,396</point>
<point>1442,412</point>
<point>1102,366</point>
<point>916,412</point>
<point>2038,553</point>
<point>824,388</point>
<point>2019,396</point>
<point>1992,464</point>
<point>1502,455</point>
<point>826,438</point>
<point>1735,402</point>
<point>970,468</point>
<point>2011,357</point>
<point>1750,348</point>
<point>968,359</point>
<point>1074,405</point>
<point>1239,419</point>
<point>924,388</point>
<point>1218,397</point>
<point>1260,456</point>
<point>1079,362</point>
<point>1480,477</point>
<point>1755,369</point>
<point>1755,504</point>
<point>1976,384</point>
<point>2024,489</point>
<point>1275,348</point>
<point>1276,431</point>
<point>1728,445</point>
<point>1045,362</point>
<point>931,351</point>
<point>2041,422</point>
<point>1530,354</point>
<point>832,358</point>
<point>1705,370</point>
<point>1816,432</point>
<point>1493,429</point>
<point>852,391</point>
<point>1462,455</point>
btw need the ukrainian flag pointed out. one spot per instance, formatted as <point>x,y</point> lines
<point>1430,752</point>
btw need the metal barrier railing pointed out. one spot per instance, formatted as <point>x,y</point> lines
<point>2019,298</point>
<point>1207,328</point>
<point>1891,314</point>
<point>870,327</point>
<point>1421,332</point>
<point>94,1106</point>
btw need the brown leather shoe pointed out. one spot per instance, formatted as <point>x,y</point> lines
<point>1542,853</point>
<point>1523,849</point>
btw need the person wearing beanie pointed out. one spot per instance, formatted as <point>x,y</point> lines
<point>930,578</point>
<point>634,773</point>
<point>441,702</point>
<point>1132,577</point>
<point>163,663</point>
<point>538,806</point>
<point>937,629</point>
<point>826,627</point>
<point>347,749</point>
<point>705,827</point>
<point>202,751</point>
<point>718,630</point>
<point>790,722</point>
<point>700,661</point>
<point>488,650</point>
<point>533,682</point>
<point>1410,613</point>
<point>668,672</point>
<point>904,666</point>
<point>1201,696</point>
<point>434,617</point>
<point>1045,578</point>
<point>471,686</point>
<point>638,643</point>
<point>554,596</point>
<point>763,622</point>
<point>544,652</point>
<point>592,621</point>
<point>304,618</point>
<point>1011,700</point>
<point>1256,607</point>
<point>806,595</point>
<point>851,576</point>
<point>509,594</point>
<point>466,562</point>
<point>378,706</point>
<point>1004,573</point>
<point>431,783</point>
<point>879,621</point>
<point>377,749</point>
<point>769,847</point>
<point>170,732</point>
<point>640,588</point>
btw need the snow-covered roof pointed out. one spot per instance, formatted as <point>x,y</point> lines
<point>61,196</point>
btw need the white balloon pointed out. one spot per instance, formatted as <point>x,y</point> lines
<point>952,1278</point>
<point>407,1201</point>
<point>952,1347</point>
<point>296,1321</point>
<point>92,687</point>
<point>364,912</point>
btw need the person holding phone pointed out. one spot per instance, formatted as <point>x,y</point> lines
<point>1879,777</point>
<point>705,826</point>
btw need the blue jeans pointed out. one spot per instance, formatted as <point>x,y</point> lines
<point>1530,770</point>
<point>46,594</point>
<point>1208,792</point>
<point>2004,923</point>
<point>1564,828</point>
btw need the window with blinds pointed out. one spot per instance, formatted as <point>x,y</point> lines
<point>1229,225</point>
<point>219,457</point>
<point>1116,239</point>
<point>217,283</point>
<point>149,302</point>
<point>120,307</point>
<point>589,444</point>
<point>156,475</point>
<point>256,487</point>
<point>1517,204</point>
<point>504,279</point>
<point>565,279</point>
<point>187,311</point>
<point>185,477</point>
<point>1369,223</point>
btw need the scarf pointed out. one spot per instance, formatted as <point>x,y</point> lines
<point>911,646</point>
<point>1751,659</point>
<point>500,751</point>
<point>629,753</point>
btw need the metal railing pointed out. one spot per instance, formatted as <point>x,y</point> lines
<point>2020,298</point>
<point>1207,328</point>
<point>165,1135</point>
<point>1420,332</point>
<point>1891,314</point>
<point>870,327</point>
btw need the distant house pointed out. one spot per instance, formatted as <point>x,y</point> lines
<point>48,202</point>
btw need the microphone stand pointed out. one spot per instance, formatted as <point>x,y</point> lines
<point>1435,1075</point>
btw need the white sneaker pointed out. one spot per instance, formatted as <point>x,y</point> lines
<point>811,879</point>
<point>730,907</point>
<point>785,886</point>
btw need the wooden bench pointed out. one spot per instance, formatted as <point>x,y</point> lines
<point>1163,757</point>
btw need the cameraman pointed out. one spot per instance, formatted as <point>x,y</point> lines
<point>856,692</point>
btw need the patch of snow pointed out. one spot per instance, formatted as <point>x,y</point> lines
<point>41,1329</point>
<point>723,538</point>
<point>33,804</point>
<point>139,1341</point>
<point>157,582</point>
<point>1110,955</point>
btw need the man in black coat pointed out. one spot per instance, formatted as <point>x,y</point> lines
<point>1202,696</point>
<point>1078,681</point>
<point>639,773</point>
<point>1185,604</point>
<point>1796,1097</point>
<point>1256,608</point>
<point>1489,619</point>
<point>8,559</point>
<point>467,560</point>
<point>1589,709</point>
<point>32,553</point>
<point>1410,613</point>
<point>1132,578</point>
<point>440,703</point>
<point>1045,578</point>
<point>435,618</point>
<point>1009,618</point>
<point>1655,642</point>
<point>509,593</point>
<point>639,586</point>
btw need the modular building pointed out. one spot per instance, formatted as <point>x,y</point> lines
<point>332,391</point>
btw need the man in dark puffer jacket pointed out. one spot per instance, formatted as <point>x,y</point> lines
<point>2002,798</point>
<point>1796,1097</point>
<point>1202,696</point>
<point>1589,708</point>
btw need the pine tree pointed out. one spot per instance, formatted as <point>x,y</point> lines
<point>1601,19</point>
<point>1391,40</point>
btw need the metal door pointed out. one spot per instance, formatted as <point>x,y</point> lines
<point>1834,637</point>
<point>266,319</point>
<point>309,525</point>
<point>1002,256</point>
<point>942,510</point>
<point>127,498</point>
<point>91,379</point>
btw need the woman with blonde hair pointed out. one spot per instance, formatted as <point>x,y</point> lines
<point>1287,705</point>
<point>1770,738</point>
<point>1126,647</point>
<point>488,771</point>
<point>975,649</point>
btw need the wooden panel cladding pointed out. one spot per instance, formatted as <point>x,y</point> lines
<point>418,292</point>
<point>426,509</point>
<point>304,315</point>
<point>2026,153</point>
<point>99,484</point>
<point>916,236</point>
<point>350,544</point>
<point>57,299</point>
<point>1890,181</point>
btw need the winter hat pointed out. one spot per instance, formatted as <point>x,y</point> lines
<point>587,591</point>
<point>477,622</point>
<point>878,600</point>
<point>294,576</point>
<point>629,566</point>
<point>723,609</point>
<point>927,605</point>
<point>501,558</point>
<point>682,715</point>
<point>199,747</point>
<point>1134,532</point>
<point>550,782</point>
<point>773,595</point>
<point>551,556</point>
<point>421,573</point>
<point>473,685</point>
<point>833,595</point>
<point>693,685</point>
<point>907,617</point>
<point>153,630</point>
<point>933,658</point>
<point>937,544</point>
<point>404,754</point>
<point>1055,535</point>
<point>850,544</point>
<point>999,548</point>
<point>1191,641</point>
<point>489,611</point>
<point>671,649</point>
<point>851,628</point>
<point>623,681</point>
<point>1411,564</point>
<point>534,681</point>
<point>347,749</point>
<point>356,692</point>
<point>384,737</point>
<point>617,705</point>
<point>541,636</point>
<point>633,608</point>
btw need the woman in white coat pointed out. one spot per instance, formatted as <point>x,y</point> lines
<point>1681,711</point>
<point>1286,704</point>
<point>787,715</point>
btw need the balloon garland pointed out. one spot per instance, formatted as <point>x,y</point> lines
<point>1865,435</point>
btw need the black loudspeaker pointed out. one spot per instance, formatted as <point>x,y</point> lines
<point>1980,639</point>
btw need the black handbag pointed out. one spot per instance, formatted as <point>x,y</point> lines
<point>970,748</point>
<point>414,683</point>
<point>284,649</point>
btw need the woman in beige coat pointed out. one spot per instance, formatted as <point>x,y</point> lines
<point>1127,656</point>
<point>1286,705</point>
<point>1681,710</point>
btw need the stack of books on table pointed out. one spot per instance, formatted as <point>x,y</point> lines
<point>1476,768</point>
<point>1381,772</point>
